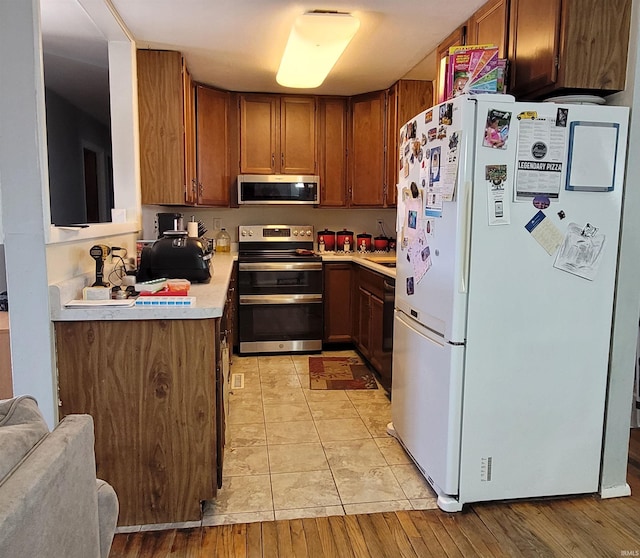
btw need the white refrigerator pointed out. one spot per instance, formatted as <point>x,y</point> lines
<point>508,223</point>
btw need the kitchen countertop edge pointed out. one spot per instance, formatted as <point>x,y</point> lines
<point>361,259</point>
<point>210,298</point>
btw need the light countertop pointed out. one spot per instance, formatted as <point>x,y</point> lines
<point>361,259</point>
<point>210,299</point>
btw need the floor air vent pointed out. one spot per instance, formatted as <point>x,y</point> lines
<point>237,381</point>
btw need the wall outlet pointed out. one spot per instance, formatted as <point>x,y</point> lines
<point>217,224</point>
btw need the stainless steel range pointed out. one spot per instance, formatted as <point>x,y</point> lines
<point>280,289</point>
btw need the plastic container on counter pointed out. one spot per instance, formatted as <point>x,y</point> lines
<point>223,241</point>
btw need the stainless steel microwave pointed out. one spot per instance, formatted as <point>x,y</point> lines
<point>274,189</point>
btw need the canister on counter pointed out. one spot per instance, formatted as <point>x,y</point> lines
<point>364,242</point>
<point>344,237</point>
<point>328,238</point>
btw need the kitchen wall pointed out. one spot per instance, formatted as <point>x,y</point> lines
<point>70,260</point>
<point>3,271</point>
<point>627,306</point>
<point>355,220</point>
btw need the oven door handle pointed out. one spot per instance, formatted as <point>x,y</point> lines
<point>280,266</point>
<point>281,299</point>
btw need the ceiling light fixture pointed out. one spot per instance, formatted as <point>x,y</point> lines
<point>316,41</point>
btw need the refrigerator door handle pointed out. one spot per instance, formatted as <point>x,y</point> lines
<point>421,329</point>
<point>466,240</point>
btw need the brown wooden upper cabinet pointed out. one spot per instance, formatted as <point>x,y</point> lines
<point>366,152</point>
<point>214,178</point>
<point>568,46</point>
<point>277,134</point>
<point>405,99</point>
<point>458,37</point>
<point>190,165</point>
<point>332,150</point>
<point>490,26</point>
<point>165,109</point>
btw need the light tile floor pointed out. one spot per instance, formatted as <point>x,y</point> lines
<point>293,452</point>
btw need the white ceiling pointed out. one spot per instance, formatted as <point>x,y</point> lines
<point>237,44</point>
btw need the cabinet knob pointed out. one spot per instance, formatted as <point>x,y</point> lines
<point>281,161</point>
<point>273,160</point>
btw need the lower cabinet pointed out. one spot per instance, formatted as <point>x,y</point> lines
<point>359,309</point>
<point>151,388</point>
<point>337,302</point>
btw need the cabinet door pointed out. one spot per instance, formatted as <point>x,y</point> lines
<point>489,26</point>
<point>376,309</point>
<point>298,135</point>
<point>188,88</point>
<point>364,316</point>
<point>534,38</point>
<point>595,42</point>
<point>458,37</point>
<point>259,133</point>
<point>405,99</point>
<point>391,145</point>
<point>366,156</point>
<point>337,302</point>
<point>161,127</point>
<point>214,180</point>
<point>332,151</point>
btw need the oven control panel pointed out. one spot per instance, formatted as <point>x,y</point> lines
<point>271,233</point>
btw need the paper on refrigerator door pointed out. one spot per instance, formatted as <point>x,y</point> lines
<point>541,152</point>
<point>498,202</point>
<point>581,251</point>
<point>545,232</point>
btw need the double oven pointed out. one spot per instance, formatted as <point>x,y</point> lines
<point>279,290</point>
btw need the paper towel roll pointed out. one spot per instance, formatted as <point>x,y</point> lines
<point>192,229</point>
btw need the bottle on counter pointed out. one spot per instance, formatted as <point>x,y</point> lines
<point>223,241</point>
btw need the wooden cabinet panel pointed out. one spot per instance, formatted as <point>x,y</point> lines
<point>366,154</point>
<point>6,379</point>
<point>259,133</point>
<point>161,109</point>
<point>191,180</point>
<point>490,26</point>
<point>535,29</point>
<point>297,135</point>
<point>332,151</point>
<point>376,309</point>
<point>405,99</point>
<point>277,134</point>
<point>337,302</point>
<point>594,44</point>
<point>568,46</point>
<point>150,389</point>
<point>458,37</point>
<point>214,179</point>
<point>364,317</point>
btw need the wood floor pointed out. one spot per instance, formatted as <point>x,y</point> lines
<point>583,526</point>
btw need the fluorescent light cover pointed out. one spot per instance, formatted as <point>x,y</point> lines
<point>315,43</point>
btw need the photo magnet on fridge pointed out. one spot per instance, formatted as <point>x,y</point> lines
<point>496,132</point>
<point>410,287</point>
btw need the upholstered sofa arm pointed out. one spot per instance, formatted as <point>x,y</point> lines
<point>49,501</point>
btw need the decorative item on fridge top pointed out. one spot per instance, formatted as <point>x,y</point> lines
<point>474,69</point>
